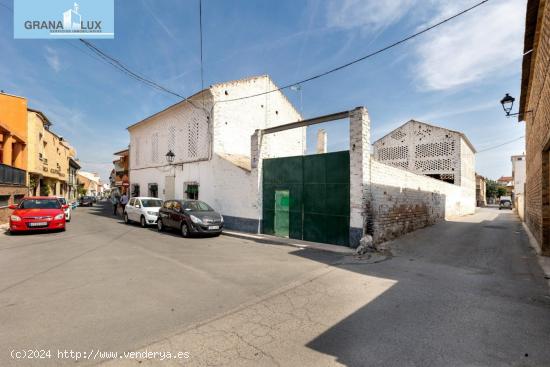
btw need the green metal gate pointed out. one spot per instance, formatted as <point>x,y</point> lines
<point>317,197</point>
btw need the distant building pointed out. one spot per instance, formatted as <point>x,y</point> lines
<point>507,182</point>
<point>90,182</point>
<point>48,157</point>
<point>534,108</point>
<point>120,175</point>
<point>481,191</point>
<point>518,175</point>
<point>429,150</point>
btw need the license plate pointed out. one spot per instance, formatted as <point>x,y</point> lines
<point>38,224</point>
<point>213,227</point>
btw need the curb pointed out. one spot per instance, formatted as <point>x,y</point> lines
<point>272,240</point>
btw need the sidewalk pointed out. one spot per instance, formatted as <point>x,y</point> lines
<point>270,240</point>
<point>544,261</point>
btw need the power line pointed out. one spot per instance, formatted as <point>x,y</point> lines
<point>366,56</point>
<point>500,145</point>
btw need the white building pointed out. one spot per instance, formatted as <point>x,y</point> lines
<point>211,139</point>
<point>91,182</point>
<point>429,150</point>
<point>519,170</point>
<point>433,151</point>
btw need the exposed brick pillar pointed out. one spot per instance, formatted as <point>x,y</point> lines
<point>256,172</point>
<point>359,152</point>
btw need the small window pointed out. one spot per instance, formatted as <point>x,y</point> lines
<point>167,205</point>
<point>192,191</point>
<point>176,206</point>
<point>137,203</point>
<point>153,190</point>
<point>135,190</point>
<point>4,200</point>
<point>131,202</point>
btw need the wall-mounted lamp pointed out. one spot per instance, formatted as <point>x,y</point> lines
<point>170,157</point>
<point>508,103</point>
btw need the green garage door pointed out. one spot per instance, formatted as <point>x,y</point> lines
<point>312,192</point>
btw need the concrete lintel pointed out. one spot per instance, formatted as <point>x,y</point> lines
<point>312,121</point>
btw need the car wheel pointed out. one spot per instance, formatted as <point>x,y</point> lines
<point>160,226</point>
<point>185,230</point>
<point>126,220</point>
<point>142,222</point>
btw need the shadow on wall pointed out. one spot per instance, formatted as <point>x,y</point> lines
<point>418,321</point>
<point>393,211</point>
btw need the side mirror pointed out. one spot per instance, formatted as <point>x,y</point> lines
<point>138,206</point>
<point>13,206</point>
<point>64,206</point>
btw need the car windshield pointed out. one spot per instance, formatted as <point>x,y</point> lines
<point>40,204</point>
<point>197,206</point>
<point>151,203</point>
<point>86,198</point>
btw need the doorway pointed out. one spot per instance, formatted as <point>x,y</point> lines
<point>282,205</point>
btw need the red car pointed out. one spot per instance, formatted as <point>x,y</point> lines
<point>37,213</point>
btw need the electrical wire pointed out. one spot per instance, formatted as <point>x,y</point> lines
<point>383,49</point>
<point>500,145</point>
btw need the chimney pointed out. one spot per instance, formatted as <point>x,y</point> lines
<point>321,141</point>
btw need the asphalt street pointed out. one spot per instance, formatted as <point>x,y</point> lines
<point>467,292</point>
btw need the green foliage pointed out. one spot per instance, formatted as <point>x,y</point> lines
<point>494,190</point>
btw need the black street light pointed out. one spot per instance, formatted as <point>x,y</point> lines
<point>507,103</point>
<point>170,157</point>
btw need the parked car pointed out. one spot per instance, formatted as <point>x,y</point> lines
<point>505,204</point>
<point>68,209</point>
<point>86,201</point>
<point>144,210</point>
<point>189,217</point>
<point>37,213</point>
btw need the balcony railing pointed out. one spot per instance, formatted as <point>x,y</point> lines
<point>12,176</point>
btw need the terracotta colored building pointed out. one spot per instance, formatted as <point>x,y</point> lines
<point>120,180</point>
<point>13,152</point>
<point>534,109</point>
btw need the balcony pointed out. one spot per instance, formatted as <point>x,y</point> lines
<point>12,176</point>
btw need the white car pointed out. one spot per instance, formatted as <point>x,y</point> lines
<point>68,211</point>
<point>144,210</point>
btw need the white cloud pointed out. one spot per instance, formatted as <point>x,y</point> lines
<point>367,15</point>
<point>472,48</point>
<point>52,57</point>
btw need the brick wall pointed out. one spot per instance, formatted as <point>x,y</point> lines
<point>11,191</point>
<point>402,201</point>
<point>537,211</point>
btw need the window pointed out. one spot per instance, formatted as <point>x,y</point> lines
<point>168,205</point>
<point>192,191</point>
<point>135,190</point>
<point>153,190</point>
<point>17,198</point>
<point>176,206</point>
<point>131,202</point>
<point>4,200</point>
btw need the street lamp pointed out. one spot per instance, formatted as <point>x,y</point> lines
<point>507,103</point>
<point>170,157</point>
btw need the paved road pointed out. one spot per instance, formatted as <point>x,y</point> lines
<point>462,293</point>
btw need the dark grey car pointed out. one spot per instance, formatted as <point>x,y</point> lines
<point>189,217</point>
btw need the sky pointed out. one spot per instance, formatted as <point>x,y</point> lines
<point>453,76</point>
